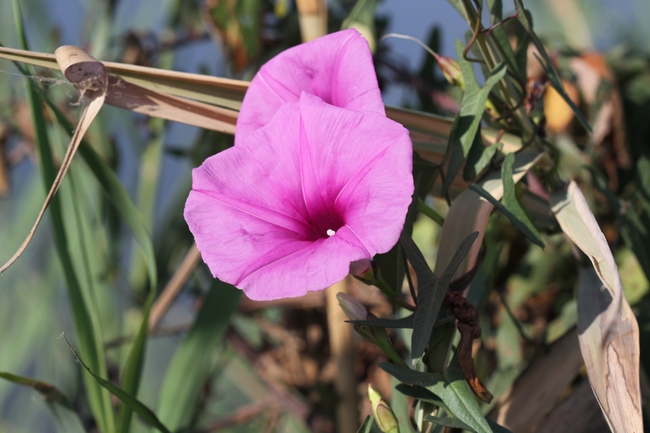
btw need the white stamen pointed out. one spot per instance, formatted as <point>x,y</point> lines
<point>330,232</point>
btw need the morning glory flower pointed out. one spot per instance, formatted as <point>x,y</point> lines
<point>294,203</point>
<point>337,68</point>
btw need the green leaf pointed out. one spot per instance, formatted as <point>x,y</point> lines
<point>450,387</point>
<point>431,291</point>
<point>496,11</point>
<point>65,418</point>
<point>404,322</point>
<point>145,413</point>
<point>410,376</point>
<point>420,393</point>
<point>192,361</point>
<point>366,426</point>
<point>479,157</point>
<point>510,205</point>
<point>448,422</point>
<point>497,428</point>
<point>86,332</point>
<point>545,61</point>
<point>121,200</point>
<point>468,121</point>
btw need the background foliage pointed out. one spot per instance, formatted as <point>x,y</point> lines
<point>220,363</point>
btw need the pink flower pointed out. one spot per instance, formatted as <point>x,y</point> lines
<point>337,68</point>
<point>296,201</point>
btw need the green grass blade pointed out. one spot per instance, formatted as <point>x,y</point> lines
<point>65,418</point>
<point>122,202</point>
<point>192,361</point>
<point>132,372</point>
<point>91,348</point>
<point>136,405</point>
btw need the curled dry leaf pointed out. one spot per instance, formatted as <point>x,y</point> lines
<point>470,329</point>
<point>89,76</point>
<point>608,330</point>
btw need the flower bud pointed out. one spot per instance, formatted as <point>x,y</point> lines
<point>352,307</point>
<point>381,411</point>
<point>451,70</point>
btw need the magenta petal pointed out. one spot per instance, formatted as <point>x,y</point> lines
<point>337,68</point>
<point>364,169</point>
<point>295,203</point>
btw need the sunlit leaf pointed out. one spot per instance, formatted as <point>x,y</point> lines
<point>608,330</point>
<point>468,120</point>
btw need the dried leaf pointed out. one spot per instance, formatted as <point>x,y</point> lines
<point>608,330</point>
<point>89,76</point>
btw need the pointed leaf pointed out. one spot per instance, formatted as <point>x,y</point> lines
<point>510,205</point>
<point>431,293</point>
<point>467,122</point>
<point>367,425</point>
<point>137,406</point>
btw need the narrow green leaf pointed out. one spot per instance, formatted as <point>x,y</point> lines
<point>192,361</point>
<point>65,418</point>
<point>122,202</point>
<point>468,121</point>
<point>545,61</point>
<point>510,205</point>
<point>367,425</point>
<point>431,291</point>
<point>448,422</point>
<point>137,406</point>
<point>479,157</point>
<point>497,428</point>
<point>496,11</point>
<point>420,393</point>
<point>90,347</point>
<point>410,376</point>
<point>404,322</point>
<point>502,40</point>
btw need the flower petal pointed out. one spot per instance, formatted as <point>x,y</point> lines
<point>248,216</point>
<point>359,162</point>
<point>318,266</point>
<point>338,68</point>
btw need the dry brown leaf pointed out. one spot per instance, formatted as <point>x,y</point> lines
<point>591,69</point>
<point>89,76</point>
<point>608,330</point>
<point>537,389</point>
<point>563,417</point>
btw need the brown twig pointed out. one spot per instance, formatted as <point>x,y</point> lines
<point>164,301</point>
<point>342,356</point>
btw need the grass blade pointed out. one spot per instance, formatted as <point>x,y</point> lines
<point>126,398</point>
<point>65,418</point>
<point>192,363</point>
<point>86,333</point>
